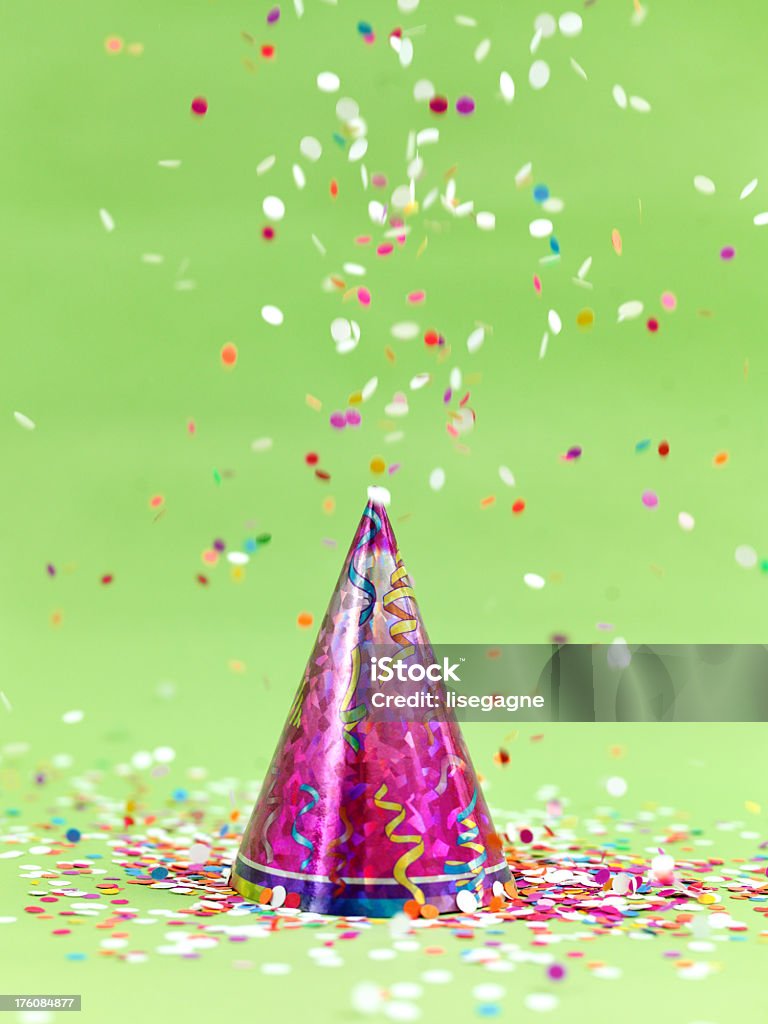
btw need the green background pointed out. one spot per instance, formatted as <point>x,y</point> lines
<point>111,360</point>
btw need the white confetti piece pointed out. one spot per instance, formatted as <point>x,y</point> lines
<point>748,189</point>
<point>272,315</point>
<point>639,104</point>
<point>579,69</point>
<point>5,701</point>
<point>620,97</point>
<point>465,21</point>
<point>630,310</point>
<point>298,176</point>
<point>318,245</point>
<point>401,1011</point>
<point>507,476</point>
<point>24,421</point>
<point>406,331</point>
<point>616,786</point>
<point>488,992</point>
<point>507,86</point>
<point>278,896</point>
<point>538,74</point>
<point>543,345</point>
<point>423,91</point>
<point>169,164</point>
<point>72,717</point>
<point>437,479</point>
<point>554,321</point>
<point>523,175</point>
<point>261,444</point>
<point>570,24</point>
<point>760,219</point>
<point>369,388</point>
<point>106,220</point>
<point>540,228</point>
<point>347,109</point>
<point>534,581</point>
<point>618,655</point>
<point>466,901</point>
<point>426,137</point>
<point>311,148</point>
<point>704,185</point>
<point>273,207</point>
<point>266,165</point>
<point>357,150</point>
<point>545,24</point>
<point>276,969</point>
<point>535,42</point>
<point>327,81</point>
<point>541,1002</point>
<point>482,50</point>
<point>476,339</point>
<point>164,755</point>
<point>584,269</point>
<point>485,221</point>
<point>420,380</point>
<point>745,556</point>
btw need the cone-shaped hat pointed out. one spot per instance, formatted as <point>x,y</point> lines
<point>361,811</point>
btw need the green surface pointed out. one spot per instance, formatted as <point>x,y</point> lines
<point>111,360</point>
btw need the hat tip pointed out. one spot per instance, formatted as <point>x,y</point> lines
<point>379,495</point>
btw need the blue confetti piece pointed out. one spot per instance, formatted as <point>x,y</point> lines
<point>540,193</point>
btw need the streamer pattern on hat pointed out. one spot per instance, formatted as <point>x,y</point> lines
<point>314,797</point>
<point>410,856</point>
<point>467,838</point>
<point>355,578</point>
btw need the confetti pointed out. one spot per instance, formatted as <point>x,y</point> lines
<point>24,421</point>
<point>704,185</point>
<point>507,86</point>
<point>106,219</point>
<point>272,315</point>
<point>538,74</point>
<point>534,581</point>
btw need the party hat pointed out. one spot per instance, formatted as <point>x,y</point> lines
<point>362,811</point>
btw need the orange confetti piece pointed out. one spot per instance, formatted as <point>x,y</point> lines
<point>616,241</point>
<point>334,189</point>
<point>429,911</point>
<point>304,620</point>
<point>412,908</point>
<point>720,459</point>
<point>487,502</point>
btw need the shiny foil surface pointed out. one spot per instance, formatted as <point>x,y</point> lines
<point>358,814</point>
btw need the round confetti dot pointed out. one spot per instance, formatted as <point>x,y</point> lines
<point>556,972</point>
<point>686,521</point>
<point>229,354</point>
<point>540,228</point>
<point>727,252</point>
<point>278,896</point>
<point>438,104</point>
<point>304,620</point>
<point>272,315</point>
<point>652,325</point>
<point>538,74</point>
<point>533,580</point>
<point>73,835</point>
<point>466,901</point>
<point>113,44</point>
<point>437,479</point>
<point>199,106</point>
<point>292,901</point>
<point>353,418</point>
<point>540,193</point>
<point>273,207</point>
<point>311,458</point>
<point>669,300</point>
<point>650,499</point>
<point>745,556</point>
<point>664,448</point>
<point>377,465</point>
<point>488,992</point>
<point>159,873</point>
<point>704,185</point>
<point>616,786</point>
<point>526,836</point>
<point>72,717</point>
<point>585,318</point>
<point>327,81</point>
<point>465,105</point>
<point>546,25</point>
<point>268,233</point>
<point>338,420</point>
<point>720,458</point>
<point>268,51</point>
<point>570,24</point>
<point>541,1002</point>
<point>429,911</point>
<point>518,506</point>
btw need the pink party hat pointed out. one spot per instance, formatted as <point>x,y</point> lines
<point>363,810</point>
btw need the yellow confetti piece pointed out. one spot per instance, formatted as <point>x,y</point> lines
<point>752,807</point>
<point>313,403</point>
